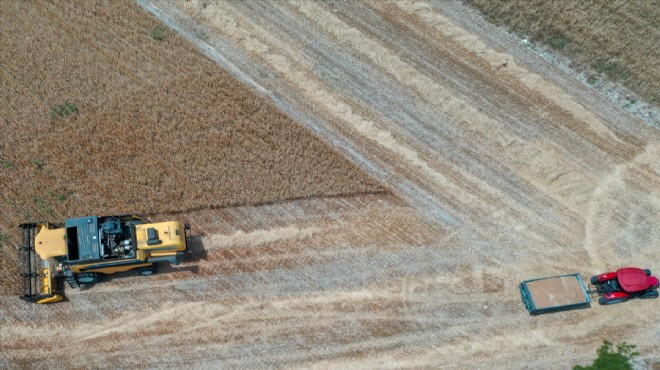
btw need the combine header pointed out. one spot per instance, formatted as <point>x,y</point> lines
<point>39,283</point>
<point>83,249</point>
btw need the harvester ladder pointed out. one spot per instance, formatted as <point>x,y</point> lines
<point>70,277</point>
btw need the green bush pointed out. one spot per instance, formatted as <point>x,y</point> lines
<point>38,164</point>
<point>59,196</point>
<point>557,42</point>
<point>159,32</point>
<point>611,69</point>
<point>63,110</point>
<point>42,206</point>
<point>608,359</point>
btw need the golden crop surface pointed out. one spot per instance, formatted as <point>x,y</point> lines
<point>105,111</point>
<point>618,39</point>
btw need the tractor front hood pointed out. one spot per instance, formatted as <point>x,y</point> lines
<point>50,242</point>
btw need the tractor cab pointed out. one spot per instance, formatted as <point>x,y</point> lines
<point>632,279</point>
<point>624,284</point>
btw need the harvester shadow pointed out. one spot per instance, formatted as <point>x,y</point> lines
<point>196,252</point>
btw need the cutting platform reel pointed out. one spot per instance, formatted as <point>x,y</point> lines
<point>40,284</point>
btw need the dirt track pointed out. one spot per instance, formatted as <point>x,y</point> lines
<point>501,168</point>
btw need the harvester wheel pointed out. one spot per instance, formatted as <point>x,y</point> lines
<point>648,272</point>
<point>88,277</point>
<point>146,271</point>
<point>594,280</point>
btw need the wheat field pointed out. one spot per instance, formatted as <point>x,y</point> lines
<point>153,126</point>
<point>499,167</point>
<point>618,39</point>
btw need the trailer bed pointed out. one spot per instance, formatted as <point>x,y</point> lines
<point>556,293</point>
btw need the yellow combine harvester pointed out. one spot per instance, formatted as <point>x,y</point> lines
<point>82,249</point>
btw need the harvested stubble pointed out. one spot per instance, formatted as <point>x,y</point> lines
<point>159,128</point>
<point>620,39</point>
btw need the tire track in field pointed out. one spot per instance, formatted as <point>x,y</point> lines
<point>545,161</point>
<point>497,59</point>
<point>251,38</point>
<point>623,216</point>
<point>297,72</point>
<point>375,281</point>
<point>548,160</point>
<point>206,312</point>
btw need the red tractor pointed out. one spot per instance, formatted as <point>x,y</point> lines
<point>624,284</point>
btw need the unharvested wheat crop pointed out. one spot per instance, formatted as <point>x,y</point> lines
<point>618,39</point>
<point>104,110</point>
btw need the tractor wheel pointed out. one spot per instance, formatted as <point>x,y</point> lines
<point>88,277</point>
<point>594,280</point>
<point>650,294</point>
<point>604,301</point>
<point>648,272</point>
<point>146,271</point>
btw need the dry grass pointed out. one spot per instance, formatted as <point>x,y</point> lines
<point>617,39</point>
<point>104,111</point>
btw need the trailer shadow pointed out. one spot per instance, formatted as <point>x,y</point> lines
<point>196,252</point>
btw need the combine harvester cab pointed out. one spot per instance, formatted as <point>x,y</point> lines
<point>84,248</point>
<point>553,294</point>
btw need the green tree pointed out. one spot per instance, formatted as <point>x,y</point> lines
<point>608,359</point>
